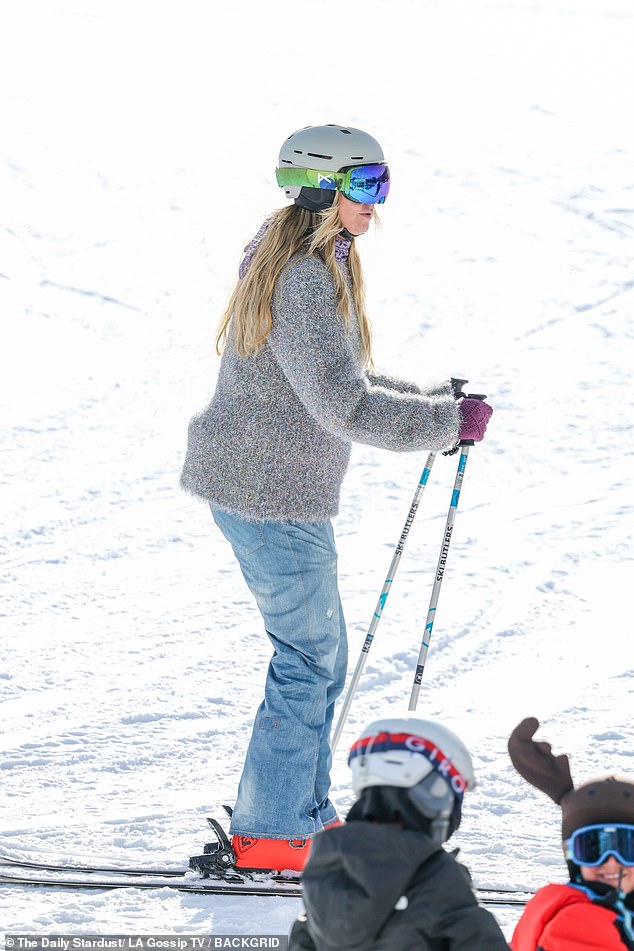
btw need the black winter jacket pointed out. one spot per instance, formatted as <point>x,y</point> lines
<point>372,887</point>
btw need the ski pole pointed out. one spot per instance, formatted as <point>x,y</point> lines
<point>464,445</point>
<point>378,611</point>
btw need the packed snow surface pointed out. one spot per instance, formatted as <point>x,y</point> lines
<point>137,153</point>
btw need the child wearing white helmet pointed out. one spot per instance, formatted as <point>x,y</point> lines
<point>383,880</point>
<point>296,387</point>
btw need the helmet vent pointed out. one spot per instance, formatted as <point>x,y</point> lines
<point>317,155</point>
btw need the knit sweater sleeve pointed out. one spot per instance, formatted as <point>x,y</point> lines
<point>391,382</point>
<point>317,356</point>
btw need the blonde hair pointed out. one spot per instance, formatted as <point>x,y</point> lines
<point>291,230</point>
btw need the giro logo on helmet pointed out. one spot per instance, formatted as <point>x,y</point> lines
<point>386,742</point>
<point>441,763</point>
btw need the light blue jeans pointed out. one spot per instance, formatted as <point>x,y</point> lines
<point>291,570</point>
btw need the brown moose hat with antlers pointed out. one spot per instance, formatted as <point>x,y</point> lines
<point>610,799</point>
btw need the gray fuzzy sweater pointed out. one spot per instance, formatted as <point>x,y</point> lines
<point>274,442</point>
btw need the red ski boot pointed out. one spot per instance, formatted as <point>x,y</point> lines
<point>270,855</point>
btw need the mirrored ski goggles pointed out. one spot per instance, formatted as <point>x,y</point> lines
<point>592,845</point>
<point>366,184</point>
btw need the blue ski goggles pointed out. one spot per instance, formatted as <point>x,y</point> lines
<point>593,845</point>
<point>365,184</point>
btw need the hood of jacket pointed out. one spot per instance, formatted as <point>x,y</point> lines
<point>355,876</point>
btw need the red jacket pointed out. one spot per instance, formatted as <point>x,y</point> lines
<point>565,918</point>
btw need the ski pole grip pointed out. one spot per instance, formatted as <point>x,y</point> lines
<point>471,396</point>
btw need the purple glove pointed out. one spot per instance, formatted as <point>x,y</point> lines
<point>475,416</point>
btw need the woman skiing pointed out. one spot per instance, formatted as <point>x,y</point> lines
<point>595,909</point>
<point>383,881</point>
<point>295,387</point>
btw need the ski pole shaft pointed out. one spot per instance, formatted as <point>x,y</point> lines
<point>457,384</point>
<point>464,447</point>
<point>440,572</point>
<point>378,611</point>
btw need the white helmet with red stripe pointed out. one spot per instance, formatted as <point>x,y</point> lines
<point>404,751</point>
<point>399,763</point>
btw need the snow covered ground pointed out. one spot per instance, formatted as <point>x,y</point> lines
<point>137,147</point>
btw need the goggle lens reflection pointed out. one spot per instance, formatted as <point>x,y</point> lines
<point>592,845</point>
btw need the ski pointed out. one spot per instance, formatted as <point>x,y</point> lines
<point>213,872</point>
<point>210,886</point>
<point>215,861</point>
<point>44,865</point>
<point>94,882</point>
<point>21,870</point>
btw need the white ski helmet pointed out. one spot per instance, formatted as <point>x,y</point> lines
<point>404,751</point>
<point>326,148</point>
